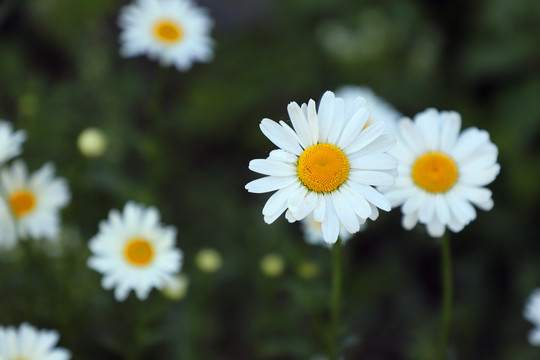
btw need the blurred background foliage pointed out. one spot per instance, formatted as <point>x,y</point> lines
<point>182,142</point>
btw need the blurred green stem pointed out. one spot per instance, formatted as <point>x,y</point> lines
<point>335,300</point>
<point>135,346</point>
<point>446,277</point>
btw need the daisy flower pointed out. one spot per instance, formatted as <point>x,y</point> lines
<point>442,172</point>
<point>379,109</point>
<point>10,141</point>
<point>29,343</point>
<point>35,200</point>
<point>313,232</point>
<point>135,252</point>
<point>326,166</point>
<point>176,32</point>
<point>531,312</point>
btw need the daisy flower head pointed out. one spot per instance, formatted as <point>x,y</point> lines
<point>442,172</point>
<point>379,109</point>
<point>28,343</point>
<point>313,232</point>
<point>327,166</point>
<point>134,251</point>
<point>531,312</point>
<point>175,32</point>
<point>34,200</point>
<point>10,141</point>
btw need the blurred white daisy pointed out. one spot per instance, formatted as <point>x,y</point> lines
<point>34,200</point>
<point>379,109</point>
<point>313,232</point>
<point>326,166</point>
<point>28,343</point>
<point>531,312</point>
<point>134,251</point>
<point>10,141</point>
<point>176,32</point>
<point>8,235</point>
<point>442,172</point>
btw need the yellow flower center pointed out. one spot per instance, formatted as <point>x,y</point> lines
<point>139,252</point>
<point>323,168</point>
<point>435,172</point>
<point>168,31</point>
<point>22,202</point>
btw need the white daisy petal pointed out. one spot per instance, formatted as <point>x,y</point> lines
<point>411,137</point>
<point>300,124</point>
<point>469,140</point>
<point>450,130</point>
<point>409,220</point>
<point>374,161</point>
<point>359,204</point>
<point>345,212</point>
<point>435,228</point>
<point>330,224</point>
<point>427,210</point>
<point>354,127</point>
<point>339,121</point>
<point>373,196</point>
<point>427,123</point>
<point>279,198</point>
<point>319,211</point>
<point>272,167</point>
<point>283,156</point>
<point>326,114</point>
<point>376,178</point>
<point>313,121</point>
<point>280,136</point>
<point>10,141</point>
<point>366,137</point>
<point>269,183</point>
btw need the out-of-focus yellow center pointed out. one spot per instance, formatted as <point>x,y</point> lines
<point>22,202</point>
<point>139,252</point>
<point>435,172</point>
<point>168,31</point>
<point>369,122</point>
<point>323,168</point>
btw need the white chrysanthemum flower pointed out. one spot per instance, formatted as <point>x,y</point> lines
<point>34,200</point>
<point>313,232</point>
<point>442,172</point>
<point>10,141</point>
<point>176,32</point>
<point>379,109</point>
<point>326,166</point>
<point>135,252</point>
<point>28,343</point>
<point>531,312</point>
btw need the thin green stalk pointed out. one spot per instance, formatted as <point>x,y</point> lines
<point>446,277</point>
<point>335,299</point>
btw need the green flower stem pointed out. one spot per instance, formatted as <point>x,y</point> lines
<point>446,277</point>
<point>335,299</point>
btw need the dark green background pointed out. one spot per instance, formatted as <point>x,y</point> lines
<point>182,142</point>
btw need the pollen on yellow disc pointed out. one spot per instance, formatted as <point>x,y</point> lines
<point>168,31</point>
<point>139,252</point>
<point>22,202</point>
<point>435,172</point>
<point>323,168</point>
